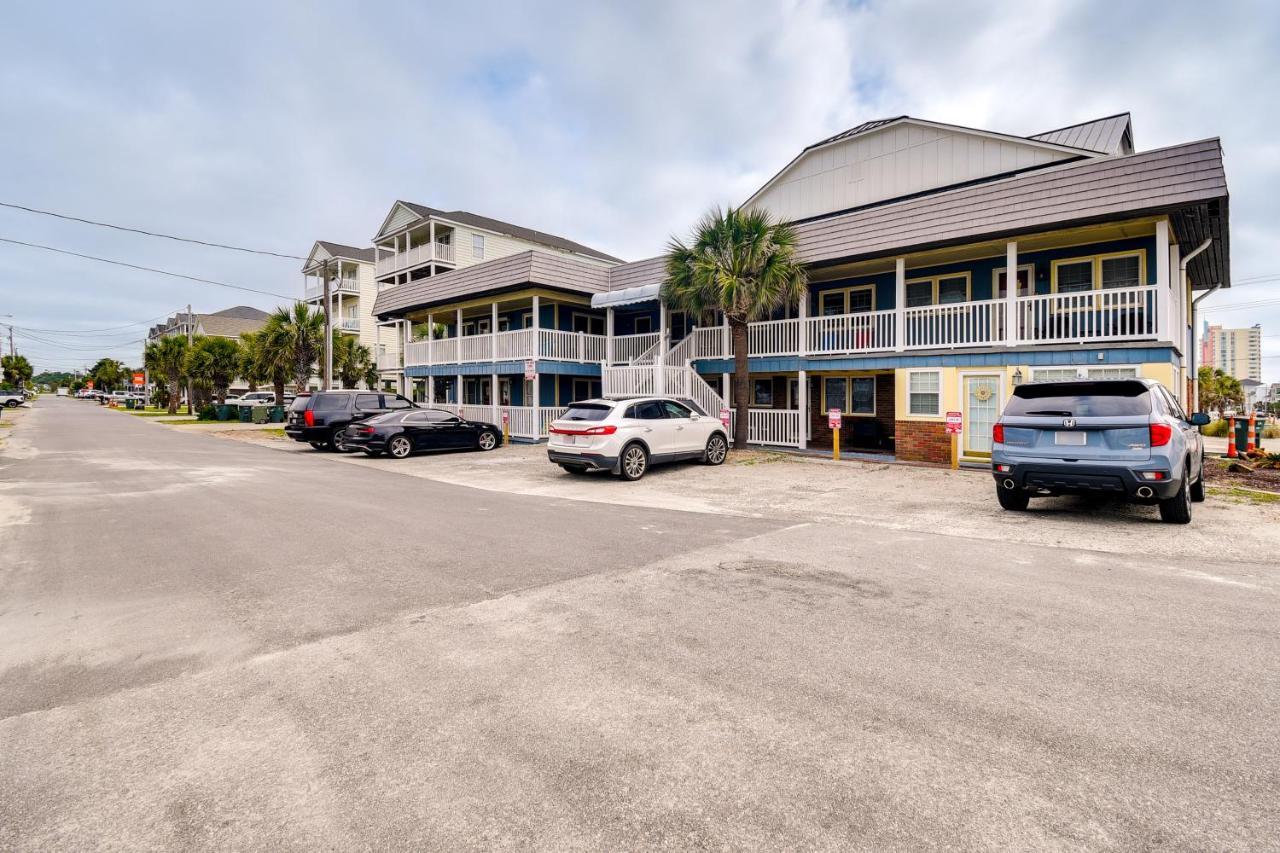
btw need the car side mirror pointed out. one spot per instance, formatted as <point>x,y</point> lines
<point>694,416</point>
<point>1199,419</point>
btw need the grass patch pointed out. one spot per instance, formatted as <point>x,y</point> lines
<point>757,457</point>
<point>1245,495</point>
<point>274,432</point>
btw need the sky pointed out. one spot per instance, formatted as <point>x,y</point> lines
<point>273,124</point>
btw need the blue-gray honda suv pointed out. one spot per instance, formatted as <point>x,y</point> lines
<point>1125,438</point>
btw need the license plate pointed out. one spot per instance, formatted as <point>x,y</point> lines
<point>1078,439</point>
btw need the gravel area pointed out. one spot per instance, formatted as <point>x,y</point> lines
<point>901,497</point>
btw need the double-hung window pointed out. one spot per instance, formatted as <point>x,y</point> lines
<point>850,300</point>
<point>855,395</point>
<point>942,290</point>
<point>1074,276</point>
<point>1121,271</point>
<point>924,392</point>
<point>477,247</point>
<point>1104,272</point>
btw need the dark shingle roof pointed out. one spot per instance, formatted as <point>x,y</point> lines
<point>243,312</point>
<point>339,250</point>
<point>468,218</point>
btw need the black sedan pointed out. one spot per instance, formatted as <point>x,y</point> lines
<point>399,434</point>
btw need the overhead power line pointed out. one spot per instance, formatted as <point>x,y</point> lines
<point>143,231</point>
<point>146,269</point>
<point>105,329</point>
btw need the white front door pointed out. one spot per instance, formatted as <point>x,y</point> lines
<point>981,395</point>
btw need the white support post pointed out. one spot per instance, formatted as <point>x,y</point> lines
<point>493,332</point>
<point>725,385</point>
<point>431,235</point>
<point>494,402</point>
<point>608,336</point>
<point>1011,293</point>
<point>900,304</point>
<point>802,403</point>
<point>803,331</point>
<point>457,389</point>
<point>659,374</point>
<point>431,390</point>
<point>726,341</point>
<point>537,335</point>
<point>1164,292</point>
<point>1181,338</point>
<point>431,338</point>
<point>537,401</point>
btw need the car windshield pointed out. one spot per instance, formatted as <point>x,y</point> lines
<point>587,412</point>
<point>1080,399</point>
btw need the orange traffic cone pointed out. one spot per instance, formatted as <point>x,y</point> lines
<point>1252,435</point>
<point>1231,438</point>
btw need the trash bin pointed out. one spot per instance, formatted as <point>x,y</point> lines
<point>246,414</point>
<point>260,414</point>
<point>277,414</point>
<point>128,404</point>
<point>1242,434</point>
<point>225,412</point>
<point>1261,424</point>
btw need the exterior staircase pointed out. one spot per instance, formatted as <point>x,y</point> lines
<point>670,374</point>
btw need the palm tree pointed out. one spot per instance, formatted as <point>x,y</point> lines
<point>212,364</point>
<point>292,340</point>
<point>743,264</point>
<point>166,360</point>
<point>108,374</point>
<point>250,367</point>
<point>351,360</point>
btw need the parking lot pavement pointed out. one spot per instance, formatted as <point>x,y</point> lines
<point>898,497</point>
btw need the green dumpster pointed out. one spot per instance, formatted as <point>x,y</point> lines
<point>260,414</point>
<point>1242,434</point>
<point>277,414</point>
<point>224,411</point>
<point>246,414</point>
<point>128,404</point>
<point>1262,422</point>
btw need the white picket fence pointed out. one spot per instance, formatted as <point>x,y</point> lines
<point>772,427</point>
<point>530,422</point>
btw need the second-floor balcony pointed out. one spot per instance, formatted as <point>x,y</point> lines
<point>389,361</point>
<point>416,256</point>
<point>1083,317</point>
<point>516,345</point>
<point>343,285</point>
<point>347,324</point>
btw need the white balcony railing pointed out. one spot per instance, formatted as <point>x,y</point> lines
<point>389,361</point>
<point>425,253</point>
<point>345,285</point>
<point>962,324</point>
<point>627,348</point>
<point>515,345</point>
<point>349,324</point>
<point>532,422</point>
<point>1119,314</point>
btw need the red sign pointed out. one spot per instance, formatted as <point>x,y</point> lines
<point>833,418</point>
<point>725,417</point>
<point>955,422</point>
<point>139,379</point>
<point>506,417</point>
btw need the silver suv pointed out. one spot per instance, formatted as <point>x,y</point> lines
<point>1124,438</point>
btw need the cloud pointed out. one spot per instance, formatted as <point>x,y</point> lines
<point>613,124</point>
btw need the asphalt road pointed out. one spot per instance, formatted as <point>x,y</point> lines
<point>210,645</point>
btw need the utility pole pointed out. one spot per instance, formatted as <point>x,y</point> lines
<point>188,350</point>
<point>327,384</point>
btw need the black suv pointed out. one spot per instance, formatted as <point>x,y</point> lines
<point>319,417</point>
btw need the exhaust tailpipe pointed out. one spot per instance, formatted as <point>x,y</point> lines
<point>1008,483</point>
<point>1145,492</point>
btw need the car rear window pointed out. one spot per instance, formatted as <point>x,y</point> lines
<point>389,417</point>
<point>300,403</point>
<point>587,412</point>
<point>331,402</point>
<point>1080,399</point>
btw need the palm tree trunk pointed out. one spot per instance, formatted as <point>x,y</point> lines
<point>741,383</point>
<point>173,396</point>
<point>278,387</point>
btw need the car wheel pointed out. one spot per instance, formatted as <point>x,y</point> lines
<point>487,440</point>
<point>399,447</point>
<point>12,404</point>
<point>717,449</point>
<point>1197,488</point>
<point>1014,500</point>
<point>634,462</point>
<point>1177,509</point>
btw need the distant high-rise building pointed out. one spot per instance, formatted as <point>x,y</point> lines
<point>1234,351</point>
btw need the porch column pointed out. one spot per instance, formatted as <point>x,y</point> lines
<point>802,402</point>
<point>900,304</point>
<point>1164,291</point>
<point>431,235</point>
<point>659,380</point>
<point>494,402</point>
<point>725,385</point>
<point>1011,293</point>
<point>431,336</point>
<point>457,389</point>
<point>431,390</point>
<point>803,332</point>
<point>537,402</point>
<point>493,331</point>
<point>537,336</point>
<point>608,336</point>
<point>458,343</point>
<point>726,340</point>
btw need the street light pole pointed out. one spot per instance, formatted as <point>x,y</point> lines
<point>328,330</point>
<point>189,389</point>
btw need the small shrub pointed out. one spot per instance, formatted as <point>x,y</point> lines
<point>208,413</point>
<point>1217,429</point>
<point>1271,431</point>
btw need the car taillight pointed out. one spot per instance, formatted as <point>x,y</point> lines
<point>309,417</point>
<point>997,433</point>
<point>1160,434</point>
<point>607,429</point>
<point>365,430</point>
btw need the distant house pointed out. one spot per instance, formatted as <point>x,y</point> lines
<point>228,323</point>
<point>946,265</point>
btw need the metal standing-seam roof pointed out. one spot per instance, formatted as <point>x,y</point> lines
<point>1110,135</point>
<point>512,272</point>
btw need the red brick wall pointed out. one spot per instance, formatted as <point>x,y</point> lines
<point>885,401</point>
<point>923,441</point>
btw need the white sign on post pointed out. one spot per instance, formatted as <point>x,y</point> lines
<point>530,369</point>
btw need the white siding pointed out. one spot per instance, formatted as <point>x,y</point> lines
<point>896,161</point>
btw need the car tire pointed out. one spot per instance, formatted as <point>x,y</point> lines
<point>335,440</point>
<point>1197,488</point>
<point>1177,509</point>
<point>486,440</point>
<point>12,404</point>
<point>1014,500</point>
<point>399,447</point>
<point>716,450</point>
<point>633,462</point>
